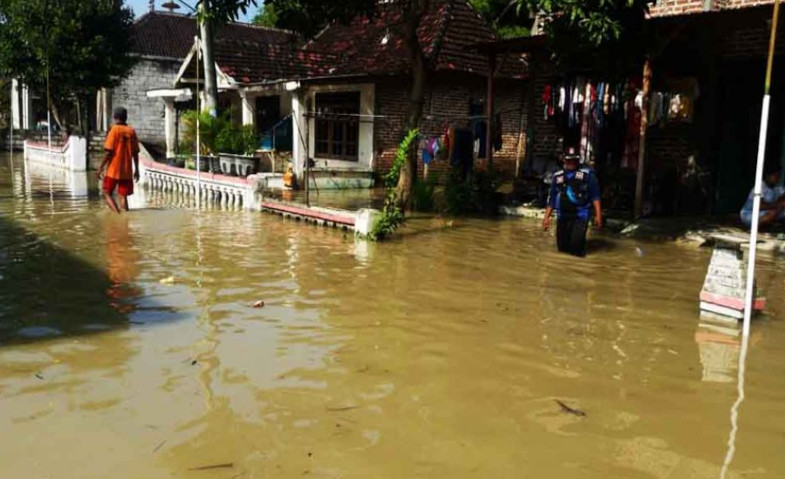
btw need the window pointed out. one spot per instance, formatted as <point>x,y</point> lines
<point>268,112</point>
<point>337,125</point>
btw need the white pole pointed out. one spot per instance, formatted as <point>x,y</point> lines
<point>749,295</point>
<point>764,126</point>
<point>198,137</point>
<point>11,126</point>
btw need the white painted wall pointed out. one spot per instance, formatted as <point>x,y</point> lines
<point>365,146</point>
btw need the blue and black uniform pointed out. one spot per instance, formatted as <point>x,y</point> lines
<point>572,194</point>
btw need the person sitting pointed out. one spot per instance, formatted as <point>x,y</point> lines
<point>772,201</point>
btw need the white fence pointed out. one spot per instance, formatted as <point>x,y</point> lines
<point>72,156</point>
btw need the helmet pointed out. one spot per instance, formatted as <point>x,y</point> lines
<point>571,154</point>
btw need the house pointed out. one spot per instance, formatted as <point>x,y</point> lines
<point>161,42</point>
<point>698,144</point>
<point>345,93</point>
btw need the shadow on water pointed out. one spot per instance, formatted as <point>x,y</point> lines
<point>600,245</point>
<point>47,292</point>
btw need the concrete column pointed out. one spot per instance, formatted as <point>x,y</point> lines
<point>299,133</point>
<point>248,107</point>
<point>170,128</point>
<point>28,121</point>
<point>16,105</point>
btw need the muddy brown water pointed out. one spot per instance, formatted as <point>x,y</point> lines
<point>130,348</point>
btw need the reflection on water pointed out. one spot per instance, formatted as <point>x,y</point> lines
<point>718,341</point>
<point>439,354</point>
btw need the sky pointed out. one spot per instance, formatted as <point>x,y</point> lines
<point>141,7</point>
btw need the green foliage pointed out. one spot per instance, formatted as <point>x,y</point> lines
<point>267,16</point>
<point>401,156</point>
<point>310,16</point>
<point>423,194</point>
<point>221,11</point>
<point>506,20</point>
<point>602,34</point>
<point>473,195</point>
<point>209,129</point>
<point>5,102</point>
<point>81,45</point>
<point>237,139</point>
<point>392,216</point>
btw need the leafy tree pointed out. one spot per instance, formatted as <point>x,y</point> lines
<point>506,19</point>
<point>5,102</point>
<point>77,46</point>
<point>266,17</point>
<point>602,34</point>
<point>211,14</point>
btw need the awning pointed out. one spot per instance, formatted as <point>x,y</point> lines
<point>179,94</point>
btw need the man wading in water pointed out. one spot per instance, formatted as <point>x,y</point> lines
<point>122,146</point>
<point>574,190</point>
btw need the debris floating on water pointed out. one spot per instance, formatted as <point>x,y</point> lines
<point>169,280</point>
<point>258,304</point>
<point>159,446</point>
<point>639,252</point>
<point>569,410</point>
<point>226,465</point>
<point>39,376</point>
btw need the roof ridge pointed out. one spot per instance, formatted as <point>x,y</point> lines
<point>227,24</point>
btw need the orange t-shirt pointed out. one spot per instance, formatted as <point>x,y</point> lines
<point>123,144</point>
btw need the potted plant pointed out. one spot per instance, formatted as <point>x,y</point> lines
<point>237,145</point>
<point>209,129</point>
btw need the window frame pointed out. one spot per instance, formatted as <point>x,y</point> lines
<point>337,115</point>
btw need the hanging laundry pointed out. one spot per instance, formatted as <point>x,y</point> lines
<point>497,132</point>
<point>463,152</point>
<point>434,147</point>
<point>655,109</point>
<point>547,102</point>
<point>562,98</point>
<point>427,157</point>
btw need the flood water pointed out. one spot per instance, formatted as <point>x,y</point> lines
<point>130,348</point>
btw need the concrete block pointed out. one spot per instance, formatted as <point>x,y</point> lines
<point>364,221</point>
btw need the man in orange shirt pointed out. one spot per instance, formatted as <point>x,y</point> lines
<point>122,147</point>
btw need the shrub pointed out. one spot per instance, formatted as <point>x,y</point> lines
<point>473,195</point>
<point>237,140</point>
<point>209,129</point>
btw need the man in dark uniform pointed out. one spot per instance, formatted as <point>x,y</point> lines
<point>574,192</point>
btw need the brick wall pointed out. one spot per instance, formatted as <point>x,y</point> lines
<point>665,8</point>
<point>669,147</point>
<point>447,103</point>
<point>146,115</point>
<point>750,42</point>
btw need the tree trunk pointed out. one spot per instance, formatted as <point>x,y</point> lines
<point>414,110</point>
<point>210,75</point>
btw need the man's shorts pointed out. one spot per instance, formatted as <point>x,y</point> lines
<point>124,187</point>
<point>746,216</point>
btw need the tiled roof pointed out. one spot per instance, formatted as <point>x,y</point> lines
<point>171,35</point>
<point>248,62</point>
<point>446,33</point>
